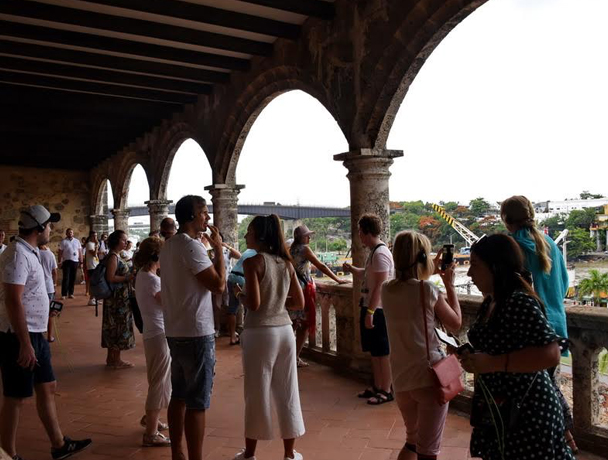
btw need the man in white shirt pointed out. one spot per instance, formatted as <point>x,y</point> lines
<point>70,257</point>
<point>2,237</point>
<point>374,335</point>
<point>25,358</point>
<point>188,279</point>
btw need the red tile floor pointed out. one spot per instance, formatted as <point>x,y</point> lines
<point>106,405</point>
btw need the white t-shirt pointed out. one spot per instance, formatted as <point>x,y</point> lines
<point>147,285</point>
<point>91,260</point>
<point>70,249</point>
<point>20,264</point>
<point>188,308</point>
<point>49,263</point>
<point>405,324</point>
<point>382,262</point>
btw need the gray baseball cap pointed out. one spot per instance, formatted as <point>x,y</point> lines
<point>35,216</point>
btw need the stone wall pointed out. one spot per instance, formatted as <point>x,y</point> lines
<point>66,192</point>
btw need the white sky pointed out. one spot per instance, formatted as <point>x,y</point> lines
<point>512,101</point>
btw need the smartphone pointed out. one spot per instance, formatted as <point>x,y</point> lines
<point>56,306</point>
<point>448,256</point>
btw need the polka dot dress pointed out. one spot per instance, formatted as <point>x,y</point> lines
<point>539,432</point>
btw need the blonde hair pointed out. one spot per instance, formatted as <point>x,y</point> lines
<point>518,211</point>
<point>407,250</point>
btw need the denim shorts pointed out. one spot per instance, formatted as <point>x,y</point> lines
<point>233,302</point>
<point>192,370</point>
<point>17,381</point>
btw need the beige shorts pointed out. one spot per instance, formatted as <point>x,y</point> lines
<point>158,366</point>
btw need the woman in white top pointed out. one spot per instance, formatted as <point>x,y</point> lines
<point>423,416</point>
<point>269,346</point>
<point>156,350</point>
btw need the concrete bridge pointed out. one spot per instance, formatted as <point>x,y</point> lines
<point>289,212</point>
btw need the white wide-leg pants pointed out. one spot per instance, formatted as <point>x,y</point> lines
<point>271,378</point>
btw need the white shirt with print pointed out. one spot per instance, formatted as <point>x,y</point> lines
<point>49,263</point>
<point>20,264</point>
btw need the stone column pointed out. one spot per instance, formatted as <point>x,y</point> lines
<point>121,219</point>
<point>225,210</point>
<point>99,223</point>
<point>368,173</point>
<point>159,209</point>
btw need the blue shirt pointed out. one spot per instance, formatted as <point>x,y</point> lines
<point>550,287</point>
<point>237,275</point>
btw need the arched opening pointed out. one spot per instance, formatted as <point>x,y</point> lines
<point>491,114</point>
<point>138,192</point>
<point>189,172</point>
<point>105,203</point>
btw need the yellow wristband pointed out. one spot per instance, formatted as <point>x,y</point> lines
<point>370,311</point>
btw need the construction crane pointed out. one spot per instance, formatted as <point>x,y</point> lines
<point>467,234</point>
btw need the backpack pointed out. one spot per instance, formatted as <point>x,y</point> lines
<point>99,286</point>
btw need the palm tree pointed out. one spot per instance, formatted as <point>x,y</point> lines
<point>595,285</point>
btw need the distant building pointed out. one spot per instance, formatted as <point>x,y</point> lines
<point>546,209</point>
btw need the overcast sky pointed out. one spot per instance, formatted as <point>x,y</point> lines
<point>512,101</point>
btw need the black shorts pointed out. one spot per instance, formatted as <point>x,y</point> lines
<point>17,381</point>
<point>374,341</point>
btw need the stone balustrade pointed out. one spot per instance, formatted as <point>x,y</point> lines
<point>337,343</point>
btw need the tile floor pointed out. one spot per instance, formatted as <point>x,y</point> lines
<point>106,405</point>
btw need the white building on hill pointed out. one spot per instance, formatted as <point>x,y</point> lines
<point>546,209</point>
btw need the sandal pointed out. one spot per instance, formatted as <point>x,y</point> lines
<point>571,444</point>
<point>237,341</point>
<point>381,397</point>
<point>302,363</point>
<point>368,392</point>
<point>121,365</point>
<point>162,426</point>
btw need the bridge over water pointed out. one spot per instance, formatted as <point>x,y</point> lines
<point>289,212</point>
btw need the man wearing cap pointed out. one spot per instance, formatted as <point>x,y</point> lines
<point>70,256</point>
<point>25,358</point>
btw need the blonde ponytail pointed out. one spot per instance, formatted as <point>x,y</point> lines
<point>542,249</point>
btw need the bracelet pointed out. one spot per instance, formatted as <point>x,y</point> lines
<point>370,311</point>
<point>507,362</point>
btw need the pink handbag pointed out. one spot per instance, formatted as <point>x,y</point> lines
<point>447,373</point>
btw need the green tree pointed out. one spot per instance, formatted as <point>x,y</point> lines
<point>580,218</point>
<point>555,224</point>
<point>479,207</point>
<point>403,221</point>
<point>579,242</point>
<point>594,285</point>
<point>585,195</point>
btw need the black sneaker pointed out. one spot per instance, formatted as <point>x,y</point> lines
<point>70,448</point>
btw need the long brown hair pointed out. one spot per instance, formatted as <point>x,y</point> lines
<point>267,230</point>
<point>519,212</point>
<point>148,253</point>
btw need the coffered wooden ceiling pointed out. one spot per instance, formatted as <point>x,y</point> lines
<point>79,80</point>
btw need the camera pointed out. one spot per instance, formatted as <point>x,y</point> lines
<point>448,256</point>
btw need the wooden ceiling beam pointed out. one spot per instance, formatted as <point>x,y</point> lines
<point>315,8</point>
<point>208,15</point>
<point>62,84</point>
<point>120,64</point>
<point>101,75</point>
<point>117,45</point>
<point>143,28</point>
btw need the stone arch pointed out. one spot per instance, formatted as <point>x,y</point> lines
<point>416,36</point>
<point>258,94</point>
<point>98,188</point>
<point>169,143</point>
<point>128,162</point>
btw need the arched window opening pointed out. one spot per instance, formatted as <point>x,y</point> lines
<point>137,195</point>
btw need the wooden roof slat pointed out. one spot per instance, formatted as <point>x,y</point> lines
<point>117,45</point>
<point>208,15</point>
<point>315,8</point>
<point>139,27</point>
<point>106,76</point>
<point>111,62</point>
<point>19,78</point>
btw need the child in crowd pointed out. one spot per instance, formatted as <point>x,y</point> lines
<point>404,304</point>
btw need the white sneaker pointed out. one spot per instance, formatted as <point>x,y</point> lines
<point>241,456</point>
<point>296,456</point>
